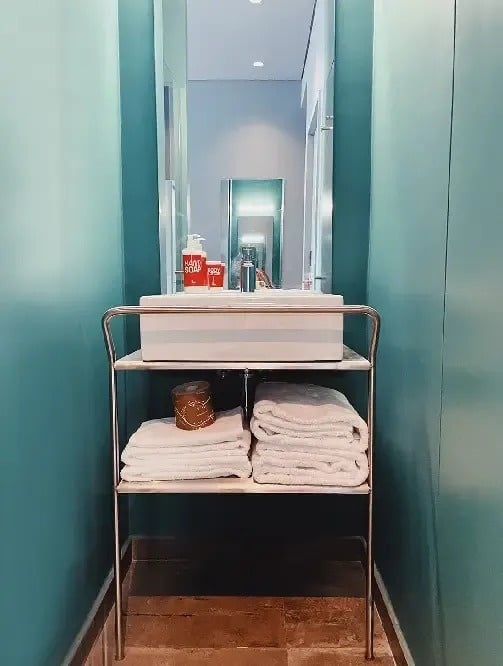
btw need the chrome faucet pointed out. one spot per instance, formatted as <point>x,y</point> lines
<point>248,268</point>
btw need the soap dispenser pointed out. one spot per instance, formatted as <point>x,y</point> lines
<point>195,273</point>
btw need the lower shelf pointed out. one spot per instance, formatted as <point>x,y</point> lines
<point>230,486</point>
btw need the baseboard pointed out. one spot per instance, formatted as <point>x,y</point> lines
<point>165,548</point>
<point>93,624</point>
<point>401,652</point>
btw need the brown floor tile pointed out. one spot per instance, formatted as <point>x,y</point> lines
<point>197,605</point>
<point>226,657</point>
<point>324,578</point>
<point>329,657</point>
<point>207,630</point>
<point>329,622</point>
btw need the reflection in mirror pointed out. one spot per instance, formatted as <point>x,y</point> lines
<point>246,97</point>
<point>255,220</point>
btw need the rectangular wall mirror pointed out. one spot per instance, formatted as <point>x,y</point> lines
<point>244,104</point>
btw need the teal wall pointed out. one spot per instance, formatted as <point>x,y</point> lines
<point>352,131</point>
<point>435,274</point>
<point>61,266</point>
<point>139,156</point>
<point>471,489</point>
<point>410,170</point>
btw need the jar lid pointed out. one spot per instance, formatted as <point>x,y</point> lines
<point>191,388</point>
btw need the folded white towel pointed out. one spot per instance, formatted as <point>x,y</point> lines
<point>202,463</point>
<point>163,433</point>
<point>241,469</point>
<point>296,441</point>
<point>323,460</point>
<point>133,455</point>
<point>297,409</point>
<point>307,478</point>
<point>189,460</point>
<point>342,473</point>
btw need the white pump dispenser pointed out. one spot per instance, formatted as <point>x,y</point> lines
<point>195,274</point>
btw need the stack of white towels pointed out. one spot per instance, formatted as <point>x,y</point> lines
<point>307,435</point>
<point>159,451</point>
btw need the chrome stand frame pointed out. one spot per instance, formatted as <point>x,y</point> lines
<point>246,394</point>
<point>367,311</point>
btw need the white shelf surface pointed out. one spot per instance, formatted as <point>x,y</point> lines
<point>350,361</point>
<point>231,486</point>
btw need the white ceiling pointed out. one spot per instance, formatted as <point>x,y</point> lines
<point>225,38</point>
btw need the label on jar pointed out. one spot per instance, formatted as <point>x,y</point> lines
<point>216,272</point>
<point>194,270</point>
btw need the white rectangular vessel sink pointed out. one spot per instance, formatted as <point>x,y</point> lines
<point>242,337</point>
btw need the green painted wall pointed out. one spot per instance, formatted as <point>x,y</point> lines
<point>352,131</point>
<point>61,267</point>
<point>471,489</point>
<point>139,156</point>
<point>436,274</point>
<point>410,168</point>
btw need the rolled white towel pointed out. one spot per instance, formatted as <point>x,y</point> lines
<point>306,408</point>
<point>163,433</point>
<point>294,440</point>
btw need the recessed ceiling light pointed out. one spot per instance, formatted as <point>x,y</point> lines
<point>258,63</point>
<point>256,2</point>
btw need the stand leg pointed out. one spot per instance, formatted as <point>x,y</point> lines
<point>119,642</point>
<point>246,395</point>
<point>369,591</point>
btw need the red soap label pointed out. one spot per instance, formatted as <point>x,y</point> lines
<point>194,271</point>
<point>216,272</point>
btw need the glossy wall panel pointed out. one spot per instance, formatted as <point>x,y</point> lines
<point>471,488</point>
<point>413,60</point>
<point>351,155</point>
<point>139,155</point>
<point>61,267</point>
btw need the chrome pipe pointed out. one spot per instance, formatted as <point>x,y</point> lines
<point>114,427</point>
<point>369,587</point>
<point>371,402</point>
<point>246,392</point>
<point>124,310</point>
<point>119,635</point>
